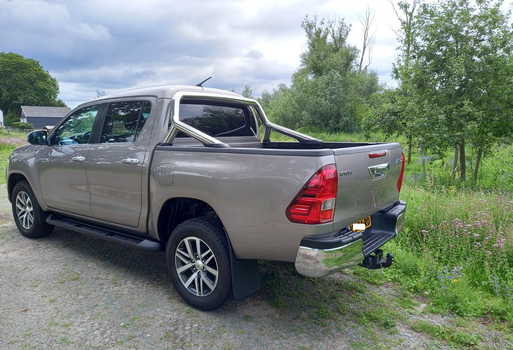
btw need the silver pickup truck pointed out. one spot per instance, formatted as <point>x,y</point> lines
<point>198,173</point>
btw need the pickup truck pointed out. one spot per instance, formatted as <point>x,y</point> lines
<point>201,174</point>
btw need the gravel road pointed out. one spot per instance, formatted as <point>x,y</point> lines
<point>68,291</point>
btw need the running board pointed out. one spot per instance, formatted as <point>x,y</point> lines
<point>107,235</point>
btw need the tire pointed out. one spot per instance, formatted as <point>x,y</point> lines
<point>203,283</point>
<point>28,216</point>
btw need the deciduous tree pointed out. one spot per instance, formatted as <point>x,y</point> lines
<point>23,81</point>
<point>328,92</point>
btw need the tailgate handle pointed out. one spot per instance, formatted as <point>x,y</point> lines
<point>378,171</point>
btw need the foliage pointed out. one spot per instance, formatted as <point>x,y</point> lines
<point>328,91</point>
<point>8,142</point>
<point>454,73</point>
<point>20,125</point>
<point>23,81</point>
<point>247,92</point>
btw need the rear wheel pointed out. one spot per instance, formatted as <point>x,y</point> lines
<point>198,262</point>
<point>28,216</point>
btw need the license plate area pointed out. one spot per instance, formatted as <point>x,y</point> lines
<point>361,225</point>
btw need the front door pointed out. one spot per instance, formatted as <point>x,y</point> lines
<point>62,165</point>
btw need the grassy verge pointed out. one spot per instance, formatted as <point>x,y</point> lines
<point>8,142</point>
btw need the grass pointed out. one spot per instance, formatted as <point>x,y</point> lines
<point>8,142</point>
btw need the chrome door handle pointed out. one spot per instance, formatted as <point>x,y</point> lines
<point>78,158</point>
<point>379,171</point>
<point>130,161</point>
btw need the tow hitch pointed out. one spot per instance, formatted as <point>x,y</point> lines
<point>376,261</point>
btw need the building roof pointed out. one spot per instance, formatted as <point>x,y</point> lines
<point>44,112</point>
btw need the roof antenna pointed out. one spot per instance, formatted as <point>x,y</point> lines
<point>201,84</point>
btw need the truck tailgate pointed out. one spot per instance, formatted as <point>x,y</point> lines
<point>367,181</point>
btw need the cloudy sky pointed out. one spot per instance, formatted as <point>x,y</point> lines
<point>109,45</point>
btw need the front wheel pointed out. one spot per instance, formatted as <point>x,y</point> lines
<point>28,216</point>
<point>199,264</point>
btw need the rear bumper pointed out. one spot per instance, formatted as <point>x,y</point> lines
<point>319,256</point>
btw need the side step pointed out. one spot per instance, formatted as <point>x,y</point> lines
<point>121,238</point>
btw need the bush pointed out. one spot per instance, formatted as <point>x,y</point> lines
<point>23,126</point>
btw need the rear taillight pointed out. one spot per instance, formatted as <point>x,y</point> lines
<point>315,203</point>
<point>400,180</point>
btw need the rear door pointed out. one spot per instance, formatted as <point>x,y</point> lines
<point>115,164</point>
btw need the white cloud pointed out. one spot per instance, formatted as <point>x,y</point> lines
<point>111,45</point>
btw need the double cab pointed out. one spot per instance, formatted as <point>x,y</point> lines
<point>201,174</point>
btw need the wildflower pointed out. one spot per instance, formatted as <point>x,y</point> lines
<point>488,252</point>
<point>476,235</point>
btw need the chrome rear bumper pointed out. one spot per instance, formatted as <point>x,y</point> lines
<point>319,256</point>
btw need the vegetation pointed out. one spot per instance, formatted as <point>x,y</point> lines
<point>24,82</point>
<point>329,69</point>
<point>454,72</point>
<point>8,142</point>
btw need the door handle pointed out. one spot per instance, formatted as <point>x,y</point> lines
<point>78,158</point>
<point>130,161</point>
<point>379,171</point>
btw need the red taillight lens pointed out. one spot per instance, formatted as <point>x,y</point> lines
<point>400,180</point>
<point>315,203</point>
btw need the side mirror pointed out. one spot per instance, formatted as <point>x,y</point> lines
<point>37,137</point>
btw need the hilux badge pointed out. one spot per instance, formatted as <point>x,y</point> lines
<point>345,173</point>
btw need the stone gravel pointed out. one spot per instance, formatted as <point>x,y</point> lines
<point>68,291</point>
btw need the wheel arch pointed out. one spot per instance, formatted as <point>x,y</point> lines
<point>177,210</point>
<point>13,179</point>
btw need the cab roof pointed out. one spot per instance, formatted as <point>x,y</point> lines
<point>165,91</point>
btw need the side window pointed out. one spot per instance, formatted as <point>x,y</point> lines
<point>77,128</point>
<point>215,120</point>
<point>124,121</point>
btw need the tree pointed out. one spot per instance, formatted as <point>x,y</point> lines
<point>454,71</point>
<point>395,111</point>
<point>328,92</point>
<point>247,92</point>
<point>24,82</point>
<point>368,38</point>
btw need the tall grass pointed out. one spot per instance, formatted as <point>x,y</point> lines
<point>8,142</point>
<point>458,247</point>
<point>457,241</point>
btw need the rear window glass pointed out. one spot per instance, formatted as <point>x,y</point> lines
<point>124,121</point>
<point>215,120</point>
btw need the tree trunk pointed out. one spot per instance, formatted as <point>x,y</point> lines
<point>409,148</point>
<point>463,168</point>
<point>455,163</point>
<point>478,161</point>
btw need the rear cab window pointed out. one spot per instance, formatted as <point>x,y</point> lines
<point>217,118</point>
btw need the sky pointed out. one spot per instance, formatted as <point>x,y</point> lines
<point>111,45</point>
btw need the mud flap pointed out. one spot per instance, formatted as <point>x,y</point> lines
<point>245,276</point>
